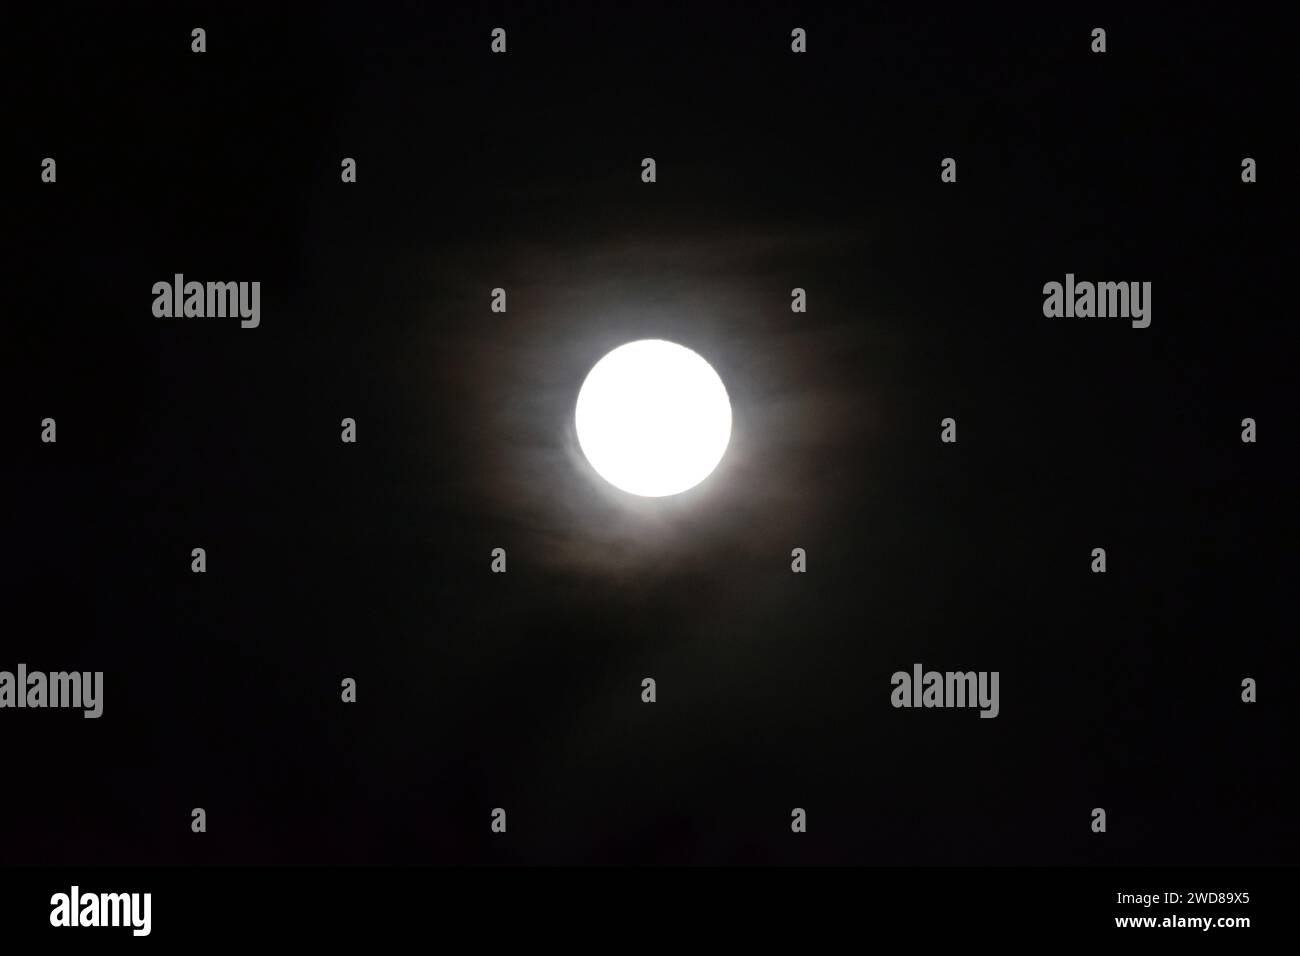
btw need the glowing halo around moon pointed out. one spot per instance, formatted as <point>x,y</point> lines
<point>653,418</point>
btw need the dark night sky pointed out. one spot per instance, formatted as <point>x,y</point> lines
<point>522,691</point>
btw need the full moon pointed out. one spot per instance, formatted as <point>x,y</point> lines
<point>653,418</point>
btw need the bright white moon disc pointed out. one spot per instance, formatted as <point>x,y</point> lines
<point>653,418</point>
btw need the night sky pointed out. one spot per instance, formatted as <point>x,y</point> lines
<point>523,691</point>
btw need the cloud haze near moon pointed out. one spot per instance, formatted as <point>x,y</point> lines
<point>801,401</point>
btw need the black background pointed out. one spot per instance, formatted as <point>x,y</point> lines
<point>522,691</point>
